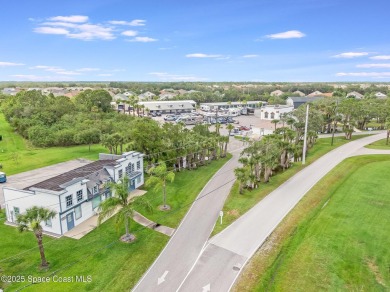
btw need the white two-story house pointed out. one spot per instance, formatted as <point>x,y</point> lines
<point>75,195</point>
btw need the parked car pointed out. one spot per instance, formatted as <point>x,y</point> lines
<point>3,177</point>
<point>170,118</point>
<point>153,114</point>
<point>244,128</point>
<point>158,113</point>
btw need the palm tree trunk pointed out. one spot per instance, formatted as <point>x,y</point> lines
<point>44,262</point>
<point>165,197</point>
<point>127,227</point>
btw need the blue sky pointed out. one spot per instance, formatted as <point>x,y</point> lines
<point>171,40</point>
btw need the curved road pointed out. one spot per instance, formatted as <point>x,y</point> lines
<point>226,253</point>
<point>178,257</point>
<point>190,262</point>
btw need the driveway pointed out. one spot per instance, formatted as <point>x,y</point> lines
<point>29,178</point>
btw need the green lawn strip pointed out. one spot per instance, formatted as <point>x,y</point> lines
<point>380,144</point>
<point>116,268</point>
<point>180,194</point>
<point>236,204</point>
<point>18,155</point>
<point>335,239</point>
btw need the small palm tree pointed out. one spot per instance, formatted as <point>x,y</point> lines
<point>121,200</point>
<point>275,122</point>
<point>31,220</point>
<point>159,176</point>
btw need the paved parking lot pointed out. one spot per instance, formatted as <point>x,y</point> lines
<point>29,178</point>
<point>244,120</point>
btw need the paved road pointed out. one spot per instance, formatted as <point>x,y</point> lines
<point>176,260</point>
<point>219,264</point>
<point>28,178</point>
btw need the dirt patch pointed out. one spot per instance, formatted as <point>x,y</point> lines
<point>235,213</point>
<point>375,270</point>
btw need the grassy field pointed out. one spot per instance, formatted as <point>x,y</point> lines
<point>336,239</point>
<point>236,204</point>
<point>381,144</point>
<point>18,155</point>
<point>113,266</point>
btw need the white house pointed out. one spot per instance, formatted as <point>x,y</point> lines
<point>315,93</point>
<point>75,195</point>
<point>276,93</point>
<point>355,94</point>
<point>274,112</point>
<point>380,95</point>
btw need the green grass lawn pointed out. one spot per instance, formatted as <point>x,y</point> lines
<point>236,204</point>
<point>18,155</point>
<point>340,239</point>
<point>180,194</point>
<point>117,267</point>
<point>381,144</point>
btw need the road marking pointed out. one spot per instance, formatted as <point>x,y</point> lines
<point>162,278</point>
<point>206,288</point>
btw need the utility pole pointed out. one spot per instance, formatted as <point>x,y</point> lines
<point>305,136</point>
<point>334,121</point>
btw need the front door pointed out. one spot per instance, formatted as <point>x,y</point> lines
<point>70,221</point>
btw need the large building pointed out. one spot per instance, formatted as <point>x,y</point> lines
<point>75,195</point>
<point>274,112</point>
<point>227,105</point>
<point>296,101</point>
<point>170,107</point>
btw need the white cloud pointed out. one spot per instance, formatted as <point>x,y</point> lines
<point>200,55</point>
<point>164,76</point>
<point>382,57</point>
<point>365,74</point>
<point>92,31</point>
<point>373,65</point>
<point>57,70</point>
<point>291,34</point>
<point>250,56</point>
<point>71,18</point>
<point>10,64</point>
<point>135,22</point>
<point>87,69</point>
<point>143,39</point>
<point>51,30</point>
<point>349,55</point>
<point>130,33</point>
<point>29,77</point>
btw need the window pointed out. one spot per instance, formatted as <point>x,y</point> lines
<point>266,115</point>
<point>96,202</point>
<point>132,167</point>
<point>77,212</point>
<point>16,211</point>
<point>138,179</point>
<point>272,115</point>
<point>120,173</point>
<point>95,189</point>
<point>79,195</point>
<point>48,222</point>
<point>69,201</point>
<point>138,165</point>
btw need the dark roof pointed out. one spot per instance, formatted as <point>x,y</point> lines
<point>305,98</point>
<point>54,183</point>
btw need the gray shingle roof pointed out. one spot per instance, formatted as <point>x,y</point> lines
<point>54,183</point>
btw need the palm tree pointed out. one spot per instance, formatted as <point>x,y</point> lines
<point>275,122</point>
<point>159,176</point>
<point>31,220</point>
<point>230,128</point>
<point>120,200</point>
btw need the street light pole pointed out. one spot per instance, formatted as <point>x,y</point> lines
<point>305,136</point>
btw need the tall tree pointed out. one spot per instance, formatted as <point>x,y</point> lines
<point>32,220</point>
<point>121,200</point>
<point>159,176</point>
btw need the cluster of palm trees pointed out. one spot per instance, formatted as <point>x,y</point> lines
<point>262,158</point>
